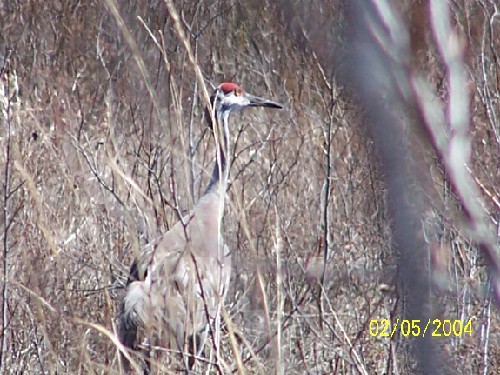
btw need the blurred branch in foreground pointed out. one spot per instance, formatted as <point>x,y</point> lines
<point>449,132</point>
<point>379,72</point>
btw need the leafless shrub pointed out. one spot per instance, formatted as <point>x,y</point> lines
<point>104,145</point>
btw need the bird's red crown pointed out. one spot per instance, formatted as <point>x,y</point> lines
<point>228,87</point>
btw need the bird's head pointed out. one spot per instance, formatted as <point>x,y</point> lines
<point>229,97</point>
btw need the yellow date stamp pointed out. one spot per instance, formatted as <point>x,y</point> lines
<point>419,328</point>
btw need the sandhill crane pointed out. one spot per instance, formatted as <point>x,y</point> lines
<point>177,284</point>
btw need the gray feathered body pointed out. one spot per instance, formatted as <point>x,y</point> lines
<point>179,281</point>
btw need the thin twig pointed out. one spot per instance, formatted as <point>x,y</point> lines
<point>6,216</point>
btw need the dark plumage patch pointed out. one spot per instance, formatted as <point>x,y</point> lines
<point>134,273</point>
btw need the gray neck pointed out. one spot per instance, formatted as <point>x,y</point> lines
<point>220,172</point>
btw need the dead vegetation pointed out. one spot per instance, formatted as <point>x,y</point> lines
<point>104,145</point>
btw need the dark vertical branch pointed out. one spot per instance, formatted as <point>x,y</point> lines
<point>326,192</point>
<point>325,202</point>
<point>6,109</point>
<point>192,147</point>
<point>377,70</point>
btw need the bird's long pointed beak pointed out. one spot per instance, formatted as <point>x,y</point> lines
<point>255,101</point>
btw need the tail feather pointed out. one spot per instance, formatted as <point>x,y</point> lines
<point>129,319</point>
<point>127,335</point>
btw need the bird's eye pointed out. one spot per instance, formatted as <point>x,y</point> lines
<point>237,93</point>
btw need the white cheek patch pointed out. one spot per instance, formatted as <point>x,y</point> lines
<point>236,102</point>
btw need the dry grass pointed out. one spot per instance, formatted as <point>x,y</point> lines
<point>104,146</point>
